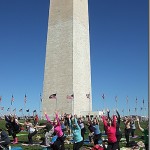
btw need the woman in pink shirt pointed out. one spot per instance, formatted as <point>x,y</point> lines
<point>110,127</point>
<point>59,143</point>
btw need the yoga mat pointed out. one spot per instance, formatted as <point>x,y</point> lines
<point>22,134</point>
<point>16,148</point>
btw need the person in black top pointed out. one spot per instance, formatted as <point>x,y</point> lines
<point>4,139</point>
<point>91,131</point>
<point>15,129</point>
<point>118,130</point>
<point>8,124</point>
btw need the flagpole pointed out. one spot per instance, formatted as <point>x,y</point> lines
<point>89,105</point>
<point>136,106</point>
<point>0,100</point>
<point>116,102</point>
<point>24,109</point>
<point>40,105</point>
<point>25,99</point>
<point>56,101</point>
<point>143,107</point>
<point>73,104</point>
<point>127,105</point>
<point>123,112</point>
<point>103,97</point>
<point>12,100</point>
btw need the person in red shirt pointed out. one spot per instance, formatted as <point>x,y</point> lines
<point>110,127</point>
<point>36,120</point>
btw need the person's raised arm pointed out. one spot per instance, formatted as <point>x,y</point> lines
<point>108,114</point>
<point>118,117</point>
<point>75,121</point>
<point>104,120</point>
<point>69,118</point>
<point>48,119</point>
<point>57,118</point>
<point>139,126</point>
<point>114,121</point>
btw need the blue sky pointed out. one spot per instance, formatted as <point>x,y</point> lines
<point>119,53</point>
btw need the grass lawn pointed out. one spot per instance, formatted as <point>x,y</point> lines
<point>23,138</point>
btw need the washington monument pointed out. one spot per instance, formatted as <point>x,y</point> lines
<point>67,75</point>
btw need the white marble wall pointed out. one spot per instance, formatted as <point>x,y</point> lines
<point>67,62</point>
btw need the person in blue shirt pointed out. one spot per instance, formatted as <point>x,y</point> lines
<point>76,131</point>
<point>97,132</point>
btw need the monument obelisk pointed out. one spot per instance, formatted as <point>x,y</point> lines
<point>67,62</point>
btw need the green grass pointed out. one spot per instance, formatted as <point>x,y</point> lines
<point>23,138</point>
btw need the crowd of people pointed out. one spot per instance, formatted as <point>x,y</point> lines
<point>56,130</point>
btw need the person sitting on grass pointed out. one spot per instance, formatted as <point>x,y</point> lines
<point>145,132</point>
<point>4,139</point>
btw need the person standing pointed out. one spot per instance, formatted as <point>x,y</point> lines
<point>15,128</point>
<point>36,120</point>
<point>59,143</point>
<point>133,127</point>
<point>82,126</point>
<point>118,130</point>
<point>31,130</point>
<point>91,131</point>
<point>97,132</point>
<point>76,131</point>
<point>110,127</point>
<point>127,130</point>
<point>145,132</point>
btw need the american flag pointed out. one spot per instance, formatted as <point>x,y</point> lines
<point>88,96</point>
<point>20,110</point>
<point>40,97</point>
<point>53,96</point>
<point>70,96</point>
<point>2,108</point>
<point>14,109</point>
<point>25,98</point>
<point>12,99</point>
<point>27,110</point>
<point>136,100</point>
<point>127,99</point>
<point>103,96</point>
<point>116,98</point>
